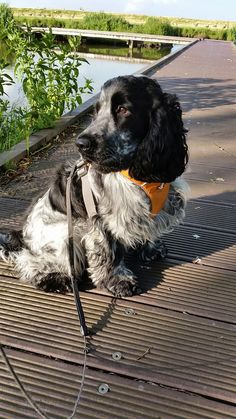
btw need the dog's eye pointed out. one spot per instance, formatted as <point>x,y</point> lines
<point>122,110</point>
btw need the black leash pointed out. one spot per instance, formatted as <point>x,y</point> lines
<point>24,392</point>
<point>80,170</point>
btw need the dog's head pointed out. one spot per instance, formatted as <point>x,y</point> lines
<point>136,127</point>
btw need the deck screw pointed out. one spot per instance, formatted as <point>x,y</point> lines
<point>117,356</point>
<point>129,312</point>
<point>103,388</point>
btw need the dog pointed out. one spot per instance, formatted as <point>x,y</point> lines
<point>136,151</point>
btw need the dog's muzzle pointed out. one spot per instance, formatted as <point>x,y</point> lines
<point>83,142</point>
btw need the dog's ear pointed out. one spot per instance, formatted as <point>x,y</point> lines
<point>163,153</point>
<point>57,193</point>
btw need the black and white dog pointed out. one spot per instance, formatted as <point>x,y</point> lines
<point>135,145</point>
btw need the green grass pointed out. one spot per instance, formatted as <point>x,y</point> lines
<point>133,19</point>
<point>127,23</point>
<point>12,127</point>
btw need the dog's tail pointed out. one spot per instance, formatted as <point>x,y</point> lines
<point>11,242</point>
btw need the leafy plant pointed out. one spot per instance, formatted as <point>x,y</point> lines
<point>105,22</point>
<point>49,75</point>
<point>157,26</point>
<point>13,127</point>
<point>6,20</point>
<point>232,34</point>
<point>11,119</point>
<point>5,79</point>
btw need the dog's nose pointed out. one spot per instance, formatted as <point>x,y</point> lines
<point>83,142</point>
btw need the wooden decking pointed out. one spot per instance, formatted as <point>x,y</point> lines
<point>177,341</point>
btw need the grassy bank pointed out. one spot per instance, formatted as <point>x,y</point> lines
<point>133,19</point>
<point>214,29</point>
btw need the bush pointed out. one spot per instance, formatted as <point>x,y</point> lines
<point>232,34</point>
<point>96,21</point>
<point>203,32</point>
<point>41,22</point>
<point>11,118</point>
<point>49,74</point>
<point>6,20</point>
<point>156,26</point>
<point>6,15</point>
<point>73,24</point>
<point>105,22</point>
<point>13,128</point>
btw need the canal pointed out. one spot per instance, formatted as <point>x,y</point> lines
<point>104,62</point>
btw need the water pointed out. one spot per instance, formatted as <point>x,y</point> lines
<point>98,70</point>
<point>123,51</point>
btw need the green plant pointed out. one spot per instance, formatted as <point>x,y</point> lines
<point>49,74</point>
<point>5,52</point>
<point>5,79</point>
<point>232,34</point>
<point>6,20</point>
<point>157,26</point>
<point>104,22</point>
<point>49,77</point>
<point>13,127</point>
<point>11,118</point>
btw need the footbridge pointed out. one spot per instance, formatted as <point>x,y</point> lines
<point>130,38</point>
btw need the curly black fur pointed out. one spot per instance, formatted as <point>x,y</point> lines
<point>163,154</point>
<point>57,193</point>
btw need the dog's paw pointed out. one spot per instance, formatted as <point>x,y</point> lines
<point>153,252</point>
<point>54,282</point>
<point>123,286</point>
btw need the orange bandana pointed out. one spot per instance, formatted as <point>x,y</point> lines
<point>156,191</point>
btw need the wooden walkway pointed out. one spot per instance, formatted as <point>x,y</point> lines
<point>120,36</point>
<point>176,341</point>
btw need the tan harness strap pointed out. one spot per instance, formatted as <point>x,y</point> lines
<point>88,196</point>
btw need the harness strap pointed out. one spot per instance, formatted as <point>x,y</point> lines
<point>88,196</point>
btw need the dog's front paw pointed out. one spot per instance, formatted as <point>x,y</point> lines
<point>54,282</point>
<point>123,285</point>
<point>152,252</point>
